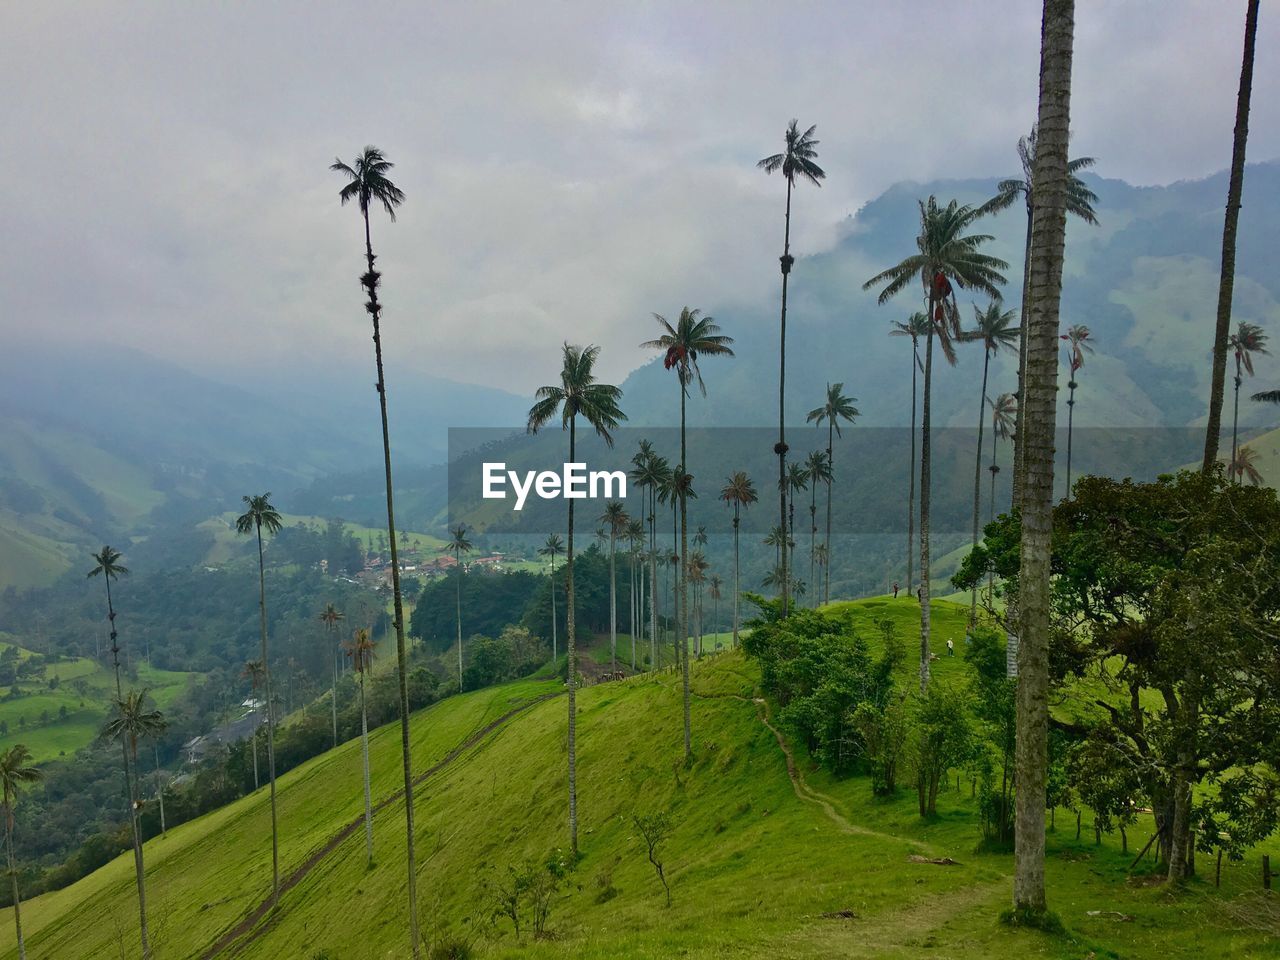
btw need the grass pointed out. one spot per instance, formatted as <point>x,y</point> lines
<point>85,689</point>
<point>758,866</point>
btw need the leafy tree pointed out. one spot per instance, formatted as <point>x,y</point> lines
<point>359,650</point>
<point>260,514</point>
<point>16,772</point>
<point>693,335</point>
<point>368,183</point>
<point>835,408</point>
<point>133,720</point>
<point>797,160</point>
<point>331,616</point>
<point>995,708</point>
<point>947,258</point>
<point>941,739</point>
<point>578,393</point>
<point>1226,281</point>
<point>884,731</point>
<point>654,830</point>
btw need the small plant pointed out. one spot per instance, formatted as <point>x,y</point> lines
<point>654,829</point>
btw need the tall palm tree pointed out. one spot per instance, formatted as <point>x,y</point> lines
<point>132,721</point>
<point>1052,187</point>
<point>553,547</point>
<point>253,672</point>
<point>1243,466</point>
<point>1078,344</point>
<point>615,521</point>
<point>915,327</point>
<point>714,583</point>
<point>458,545</point>
<point>368,184</point>
<point>692,336</point>
<point>797,160</point>
<point>993,329</point>
<point>739,492</point>
<point>1004,409</point>
<point>797,481</point>
<point>777,538</point>
<point>1226,280</point>
<point>817,467</point>
<point>635,540</point>
<point>107,562</point>
<point>697,577</point>
<point>946,257</point>
<point>1080,203</point>
<point>16,771</point>
<point>669,493</point>
<point>838,407</point>
<point>359,650</point>
<point>1248,339</point>
<point>330,617</point>
<point>650,472</point>
<point>259,515</point>
<point>577,394</point>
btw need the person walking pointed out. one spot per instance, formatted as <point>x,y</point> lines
<point>951,647</point>
<point>895,589</point>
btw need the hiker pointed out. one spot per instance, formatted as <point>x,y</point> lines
<point>951,647</point>
<point>895,589</point>
<point>920,594</point>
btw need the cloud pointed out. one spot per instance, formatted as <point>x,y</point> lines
<point>569,168</point>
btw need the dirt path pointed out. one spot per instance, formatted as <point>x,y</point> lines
<point>250,924</point>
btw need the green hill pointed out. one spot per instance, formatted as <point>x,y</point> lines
<point>769,857</point>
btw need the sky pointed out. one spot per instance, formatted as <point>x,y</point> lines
<point>570,168</point>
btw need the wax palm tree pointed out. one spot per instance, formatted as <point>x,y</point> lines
<point>692,336</point>
<point>260,515</point>
<point>1226,280</point>
<point>915,327</point>
<point>697,577</point>
<point>1249,339</point>
<point>458,545</point>
<point>650,472</point>
<point>1004,410</point>
<point>1078,344</point>
<point>615,521</point>
<point>551,549</point>
<point>131,721</point>
<point>817,467</point>
<point>993,328</point>
<point>1080,203</point>
<point>16,772</point>
<point>668,494</point>
<point>331,616</point>
<point>577,394</point>
<point>359,650</point>
<point>777,538</point>
<point>796,480</point>
<point>635,539</point>
<point>837,407</point>
<point>824,558</point>
<point>798,160</point>
<point>947,257</point>
<point>739,492</point>
<point>1244,466</point>
<point>368,184</point>
<point>1052,188</point>
<point>714,583</point>
<point>107,563</point>
<point>253,671</point>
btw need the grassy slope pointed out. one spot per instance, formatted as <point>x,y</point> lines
<point>85,712</point>
<point>754,863</point>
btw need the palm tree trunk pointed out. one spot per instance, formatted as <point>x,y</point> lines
<point>13,879</point>
<point>1049,186</point>
<point>333,662</point>
<point>925,464</point>
<point>1226,281</point>
<point>554,654</point>
<point>813,542</point>
<point>573,659</point>
<point>271,752</point>
<point>1019,468</point>
<point>160,790</point>
<point>458,610</point>
<point>613,602</point>
<point>1235,417</point>
<point>991,515</point>
<point>911,472</point>
<point>826,566</point>
<point>1071,418</point>
<point>736,508</point>
<point>781,448</point>
<point>683,614</point>
<point>977,478</point>
<point>653,578</point>
<point>631,605</point>
<point>401,656</point>
<point>137,860</point>
<point>254,741</point>
<point>364,747</point>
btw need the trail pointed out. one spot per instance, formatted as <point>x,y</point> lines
<point>250,924</point>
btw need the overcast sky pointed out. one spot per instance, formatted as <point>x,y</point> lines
<point>569,167</point>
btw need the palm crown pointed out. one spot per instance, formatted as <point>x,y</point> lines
<point>799,157</point>
<point>368,182</point>
<point>1244,466</point>
<point>553,547</point>
<point>132,719</point>
<point>259,514</point>
<point>360,650</point>
<point>739,490</point>
<point>16,770</point>
<point>692,335</point>
<point>458,542</point>
<point>1004,408</point>
<point>578,393</point>
<point>836,408</point>
<point>331,615</point>
<point>1248,339</point>
<point>993,327</point>
<point>1078,344</point>
<point>107,563</point>
<point>1080,199</point>
<point>817,467</point>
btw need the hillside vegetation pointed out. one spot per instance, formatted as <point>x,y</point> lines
<point>767,857</point>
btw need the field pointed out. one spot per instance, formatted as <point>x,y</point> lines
<point>767,858</point>
<point>84,690</point>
